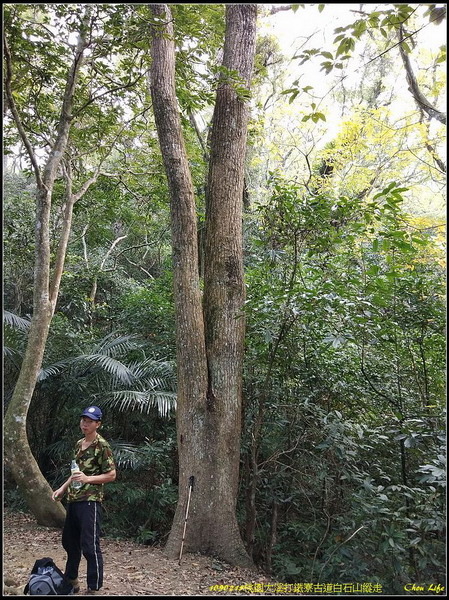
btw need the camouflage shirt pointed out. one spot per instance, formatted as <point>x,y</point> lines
<point>95,460</point>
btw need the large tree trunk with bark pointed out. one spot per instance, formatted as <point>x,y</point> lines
<point>210,332</point>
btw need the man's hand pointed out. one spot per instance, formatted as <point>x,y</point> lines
<point>79,476</point>
<point>57,495</point>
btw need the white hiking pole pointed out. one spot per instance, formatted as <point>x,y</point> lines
<point>191,480</point>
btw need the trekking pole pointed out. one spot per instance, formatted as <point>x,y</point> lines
<point>191,481</point>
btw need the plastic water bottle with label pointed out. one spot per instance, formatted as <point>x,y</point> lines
<point>75,469</point>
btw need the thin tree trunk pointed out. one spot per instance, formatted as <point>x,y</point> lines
<point>273,534</point>
<point>18,455</point>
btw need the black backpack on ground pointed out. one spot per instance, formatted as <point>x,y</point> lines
<point>47,580</point>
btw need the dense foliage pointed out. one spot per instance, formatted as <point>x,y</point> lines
<point>344,391</point>
<point>343,448</point>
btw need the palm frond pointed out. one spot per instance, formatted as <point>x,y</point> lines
<point>111,345</point>
<point>154,374</point>
<point>143,401</point>
<point>58,450</point>
<point>12,354</point>
<point>163,368</point>
<point>119,371</point>
<point>126,455</point>
<point>55,369</point>
<point>16,322</point>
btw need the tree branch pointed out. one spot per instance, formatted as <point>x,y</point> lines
<point>124,86</point>
<point>198,135</point>
<point>16,116</point>
<point>417,94</point>
<point>108,253</point>
<point>276,9</point>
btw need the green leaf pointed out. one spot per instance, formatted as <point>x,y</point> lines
<point>317,116</point>
<point>406,47</point>
<point>373,269</point>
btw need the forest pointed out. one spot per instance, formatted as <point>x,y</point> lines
<point>224,224</point>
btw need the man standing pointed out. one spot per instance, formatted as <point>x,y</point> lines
<point>81,533</point>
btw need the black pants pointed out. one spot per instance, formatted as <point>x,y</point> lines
<point>81,534</point>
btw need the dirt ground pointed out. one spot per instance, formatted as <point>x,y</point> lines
<point>130,569</point>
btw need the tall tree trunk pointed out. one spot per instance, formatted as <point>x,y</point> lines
<point>18,455</point>
<point>210,343</point>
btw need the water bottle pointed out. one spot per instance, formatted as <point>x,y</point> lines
<point>75,468</point>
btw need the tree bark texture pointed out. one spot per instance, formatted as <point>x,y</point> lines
<point>210,331</point>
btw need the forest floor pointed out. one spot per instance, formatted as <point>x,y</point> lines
<point>131,569</point>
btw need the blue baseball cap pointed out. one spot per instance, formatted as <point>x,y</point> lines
<point>93,412</point>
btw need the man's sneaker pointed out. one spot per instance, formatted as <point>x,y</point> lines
<point>92,592</point>
<point>75,584</point>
